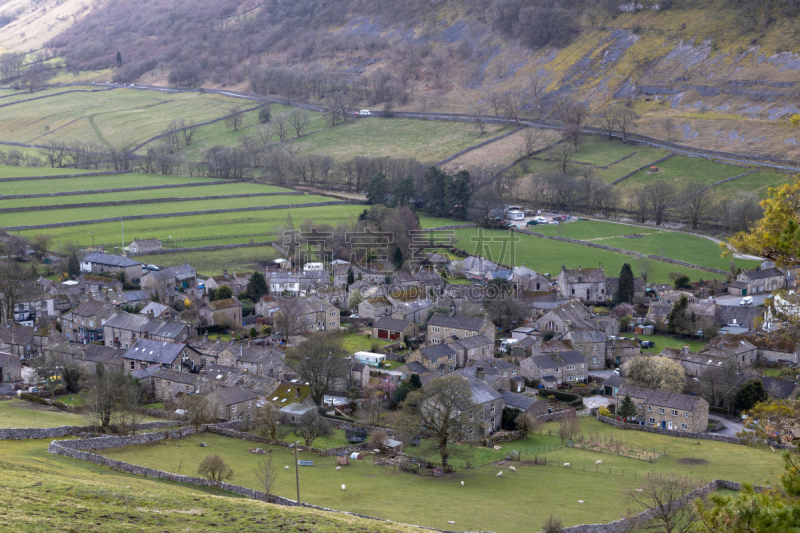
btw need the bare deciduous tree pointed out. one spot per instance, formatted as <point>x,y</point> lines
<point>214,468</point>
<point>299,121</point>
<point>696,202</point>
<point>311,426</point>
<point>562,154</point>
<point>568,426</point>
<point>666,494</point>
<point>267,474</point>
<point>661,196</point>
<point>668,125</point>
<point>320,361</point>
<point>235,117</point>
<point>626,120</point>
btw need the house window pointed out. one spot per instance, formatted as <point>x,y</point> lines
<point>451,356</point>
<point>233,409</point>
<point>573,291</point>
<point>569,378</point>
<point>492,423</point>
<point>570,367</point>
<point>652,420</point>
<point>249,404</point>
<point>451,367</point>
<point>661,410</point>
<point>493,408</point>
<point>640,406</point>
<point>674,412</point>
<point>649,408</point>
<point>686,414</point>
<point>133,365</point>
<point>188,388</point>
<point>684,427</point>
<point>594,359</point>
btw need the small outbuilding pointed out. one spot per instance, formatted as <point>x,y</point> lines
<point>355,456</point>
<point>393,445</point>
<point>342,459</point>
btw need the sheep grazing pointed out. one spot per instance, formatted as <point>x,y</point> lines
<point>500,474</point>
<point>462,483</point>
<point>512,468</point>
<point>342,487</point>
<point>286,468</point>
<point>566,465</point>
<point>338,468</point>
<point>598,463</point>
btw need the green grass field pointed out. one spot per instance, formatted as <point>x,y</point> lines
<point>92,213</point>
<point>90,183</point>
<point>427,141</point>
<point>14,171</point>
<point>219,133</point>
<point>758,183</point>
<point>212,263</point>
<point>677,245</point>
<point>180,192</point>
<point>119,118</point>
<point>486,502</point>
<point>197,225</point>
<point>544,255</point>
<point>23,414</point>
<point>44,492</point>
<point>680,171</point>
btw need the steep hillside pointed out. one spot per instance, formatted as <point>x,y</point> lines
<point>717,74</point>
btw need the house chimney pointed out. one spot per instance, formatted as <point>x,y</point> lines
<point>151,313</point>
<point>479,372</point>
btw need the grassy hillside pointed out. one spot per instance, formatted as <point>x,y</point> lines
<point>44,492</point>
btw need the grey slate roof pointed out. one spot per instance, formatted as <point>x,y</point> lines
<point>416,367</point>
<point>180,377</point>
<point>761,274</point>
<point>670,400</point>
<point>585,275</point>
<point>234,395</point>
<point>475,341</point>
<point>614,381</point>
<point>571,357</point>
<point>139,296</point>
<point>180,272</point>
<point>210,346</point>
<point>89,308</point>
<point>145,373</point>
<point>435,352</point>
<point>109,259</point>
<point>519,401</point>
<point>102,354</point>
<point>391,324</point>
<point>778,388</point>
<point>482,392</point>
<point>580,336</point>
<point>456,321</point>
<point>153,326</point>
<point>297,408</point>
<point>156,307</point>
<point>159,352</point>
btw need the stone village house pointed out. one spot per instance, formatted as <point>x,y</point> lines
<point>667,410</point>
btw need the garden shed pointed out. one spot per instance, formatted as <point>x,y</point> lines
<point>342,459</point>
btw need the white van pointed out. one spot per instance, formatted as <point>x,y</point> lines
<point>364,113</point>
<point>506,345</point>
<point>313,267</point>
<point>540,220</point>
<point>747,300</point>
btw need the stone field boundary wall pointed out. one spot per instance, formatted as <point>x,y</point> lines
<point>66,431</point>
<point>121,189</point>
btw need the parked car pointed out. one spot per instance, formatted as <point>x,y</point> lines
<point>532,223</point>
<point>647,344</point>
<point>362,113</point>
<point>747,300</point>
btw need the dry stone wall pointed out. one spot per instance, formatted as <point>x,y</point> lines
<point>121,189</point>
<point>66,431</point>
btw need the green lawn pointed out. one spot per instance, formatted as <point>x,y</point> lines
<point>120,118</point>
<point>91,213</point>
<point>199,225</point>
<point>547,256</point>
<point>23,414</point>
<point>486,502</point>
<point>361,343</point>
<point>90,183</point>
<point>212,263</point>
<point>665,341</point>
<point>55,493</point>
<point>182,192</point>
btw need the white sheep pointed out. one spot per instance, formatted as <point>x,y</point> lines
<point>343,487</point>
<point>462,483</point>
<point>286,468</point>
<point>566,465</point>
<point>512,468</point>
<point>500,474</point>
<point>598,463</point>
<point>338,468</point>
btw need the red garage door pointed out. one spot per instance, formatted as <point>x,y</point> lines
<point>394,335</point>
<point>383,334</point>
